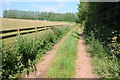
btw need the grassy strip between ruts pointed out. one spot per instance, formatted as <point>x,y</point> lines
<point>63,65</point>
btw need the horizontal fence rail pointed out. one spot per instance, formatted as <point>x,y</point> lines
<point>21,31</point>
<point>8,31</point>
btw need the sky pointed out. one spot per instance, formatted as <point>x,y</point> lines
<point>59,7</point>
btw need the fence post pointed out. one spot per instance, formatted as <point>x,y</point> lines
<point>18,31</point>
<point>35,32</point>
<point>45,28</point>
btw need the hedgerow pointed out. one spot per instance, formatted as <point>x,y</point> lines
<point>102,20</point>
<point>20,58</point>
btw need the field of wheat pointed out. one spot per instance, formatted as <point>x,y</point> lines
<point>8,24</point>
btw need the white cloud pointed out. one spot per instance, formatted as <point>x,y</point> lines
<point>61,0</point>
<point>6,3</point>
<point>48,8</point>
<point>7,9</point>
<point>60,5</point>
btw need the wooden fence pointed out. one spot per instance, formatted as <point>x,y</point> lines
<point>7,33</point>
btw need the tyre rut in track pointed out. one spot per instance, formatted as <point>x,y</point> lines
<point>83,67</point>
<point>42,67</point>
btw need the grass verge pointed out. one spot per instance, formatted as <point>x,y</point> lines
<point>63,65</point>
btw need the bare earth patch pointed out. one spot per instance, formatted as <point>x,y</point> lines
<point>83,67</point>
<point>42,67</point>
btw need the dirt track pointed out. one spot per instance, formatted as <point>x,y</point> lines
<point>83,66</point>
<point>42,67</point>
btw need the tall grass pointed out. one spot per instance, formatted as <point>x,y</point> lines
<point>63,66</point>
<point>105,63</point>
<point>20,58</point>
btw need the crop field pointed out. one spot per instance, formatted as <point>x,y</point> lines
<point>8,24</point>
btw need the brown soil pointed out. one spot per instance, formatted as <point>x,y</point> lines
<point>42,67</point>
<point>83,67</point>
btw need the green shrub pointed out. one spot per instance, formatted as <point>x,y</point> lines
<point>105,63</point>
<point>20,58</point>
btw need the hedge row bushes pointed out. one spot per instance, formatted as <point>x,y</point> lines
<point>21,57</point>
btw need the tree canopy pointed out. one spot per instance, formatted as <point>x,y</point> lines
<point>101,18</point>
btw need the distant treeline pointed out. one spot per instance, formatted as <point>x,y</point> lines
<point>36,15</point>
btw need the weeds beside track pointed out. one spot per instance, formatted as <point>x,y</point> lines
<point>22,56</point>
